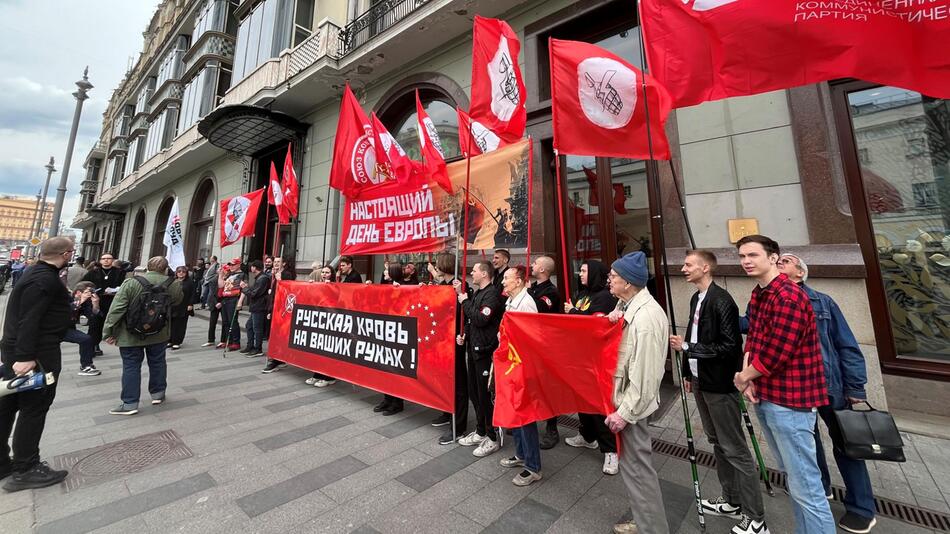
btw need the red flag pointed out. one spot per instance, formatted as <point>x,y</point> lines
<point>620,198</point>
<point>598,106</point>
<point>482,139</point>
<point>391,159</point>
<point>432,154</point>
<point>549,365</point>
<point>711,49</point>
<point>275,196</point>
<point>593,198</point>
<point>498,92</point>
<point>354,159</point>
<point>238,215</point>
<point>291,187</point>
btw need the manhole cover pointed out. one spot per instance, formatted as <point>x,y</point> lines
<point>113,460</point>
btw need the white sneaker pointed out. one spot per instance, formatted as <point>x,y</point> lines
<point>208,344</point>
<point>487,447</point>
<point>471,440</point>
<point>324,383</point>
<point>749,526</point>
<point>310,381</point>
<point>611,463</point>
<point>579,441</point>
<point>720,507</point>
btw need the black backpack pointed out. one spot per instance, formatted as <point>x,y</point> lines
<point>149,312</point>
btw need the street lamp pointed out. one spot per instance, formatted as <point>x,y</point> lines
<point>81,96</point>
<point>41,203</point>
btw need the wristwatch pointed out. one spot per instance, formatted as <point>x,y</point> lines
<point>684,347</point>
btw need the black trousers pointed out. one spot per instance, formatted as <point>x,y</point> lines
<point>478,379</point>
<point>32,407</point>
<point>594,428</point>
<point>461,392</point>
<point>179,326</point>
<point>99,320</point>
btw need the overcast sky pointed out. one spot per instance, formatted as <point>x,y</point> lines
<point>44,46</point>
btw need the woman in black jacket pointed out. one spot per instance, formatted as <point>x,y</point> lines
<point>184,309</point>
<point>593,298</point>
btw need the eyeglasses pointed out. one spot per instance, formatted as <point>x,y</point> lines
<point>786,260</point>
<point>69,251</point>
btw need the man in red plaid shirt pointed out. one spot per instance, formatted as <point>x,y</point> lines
<point>783,374</point>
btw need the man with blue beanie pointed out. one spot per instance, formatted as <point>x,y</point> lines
<point>640,367</point>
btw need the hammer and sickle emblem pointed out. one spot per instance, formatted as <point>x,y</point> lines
<point>514,358</point>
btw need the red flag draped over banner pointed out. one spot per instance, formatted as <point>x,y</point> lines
<point>354,158</point>
<point>498,91</point>
<point>275,196</point>
<point>482,139</point>
<point>549,365</point>
<point>711,49</point>
<point>291,187</point>
<point>598,106</point>
<point>239,215</point>
<point>433,156</point>
<point>396,340</point>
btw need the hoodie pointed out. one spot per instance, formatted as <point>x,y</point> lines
<point>594,298</point>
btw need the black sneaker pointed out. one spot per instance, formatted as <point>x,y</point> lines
<point>393,409</point>
<point>246,350</point>
<point>38,476</point>
<point>5,470</point>
<point>272,365</point>
<point>448,439</point>
<point>856,523</point>
<point>124,409</point>
<point>549,439</point>
<point>382,406</point>
<point>98,352</point>
<point>442,420</point>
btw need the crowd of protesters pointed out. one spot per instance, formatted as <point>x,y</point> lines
<point>798,363</point>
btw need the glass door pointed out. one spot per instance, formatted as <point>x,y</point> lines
<point>901,143</point>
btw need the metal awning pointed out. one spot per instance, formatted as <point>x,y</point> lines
<point>249,130</point>
<point>102,213</point>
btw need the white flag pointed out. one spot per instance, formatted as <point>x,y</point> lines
<point>174,243</point>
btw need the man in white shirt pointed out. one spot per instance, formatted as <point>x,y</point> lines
<point>712,356</point>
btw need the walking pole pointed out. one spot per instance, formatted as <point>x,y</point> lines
<point>755,446</point>
<point>691,448</point>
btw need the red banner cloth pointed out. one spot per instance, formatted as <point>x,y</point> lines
<point>291,187</point>
<point>598,106</point>
<point>548,365</point>
<point>482,139</point>
<point>433,157</point>
<point>498,91</point>
<point>239,215</point>
<point>391,159</point>
<point>398,340</point>
<point>711,49</point>
<point>275,196</point>
<point>354,158</point>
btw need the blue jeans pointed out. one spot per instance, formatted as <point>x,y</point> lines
<point>255,330</point>
<point>859,497</point>
<point>790,434</point>
<point>205,289</point>
<point>528,446</point>
<point>132,372</point>
<point>87,348</point>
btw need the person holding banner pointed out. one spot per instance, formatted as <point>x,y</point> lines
<point>527,441</point>
<point>391,405</point>
<point>282,271</point>
<point>321,273</point>
<point>641,365</point>
<point>443,274</point>
<point>499,261</point>
<point>348,275</point>
<point>593,298</point>
<point>483,311</point>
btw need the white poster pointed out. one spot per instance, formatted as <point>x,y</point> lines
<point>174,243</point>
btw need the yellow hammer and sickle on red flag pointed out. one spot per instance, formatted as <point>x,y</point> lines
<point>513,357</point>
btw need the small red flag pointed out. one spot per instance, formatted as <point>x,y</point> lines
<point>598,106</point>
<point>482,139</point>
<point>391,159</point>
<point>620,198</point>
<point>291,187</point>
<point>239,215</point>
<point>712,49</point>
<point>433,156</point>
<point>549,365</point>
<point>275,196</point>
<point>498,91</point>
<point>354,159</point>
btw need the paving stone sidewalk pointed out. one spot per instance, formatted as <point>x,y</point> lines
<point>234,450</point>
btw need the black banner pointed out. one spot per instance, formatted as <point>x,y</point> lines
<point>387,343</point>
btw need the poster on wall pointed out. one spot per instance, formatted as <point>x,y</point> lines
<point>398,340</point>
<point>398,217</point>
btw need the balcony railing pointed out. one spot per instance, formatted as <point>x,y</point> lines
<point>379,18</point>
<point>211,45</point>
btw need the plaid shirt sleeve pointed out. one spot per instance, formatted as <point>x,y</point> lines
<point>788,324</point>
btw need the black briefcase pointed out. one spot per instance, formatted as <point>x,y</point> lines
<point>870,435</point>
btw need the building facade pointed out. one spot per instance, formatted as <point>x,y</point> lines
<point>851,176</point>
<point>18,219</point>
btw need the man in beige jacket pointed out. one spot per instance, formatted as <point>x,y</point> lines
<point>640,368</point>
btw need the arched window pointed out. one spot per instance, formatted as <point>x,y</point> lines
<point>399,116</point>
<point>138,236</point>
<point>161,219</point>
<point>199,234</point>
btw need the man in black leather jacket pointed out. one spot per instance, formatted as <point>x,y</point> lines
<point>38,315</point>
<point>712,350</point>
